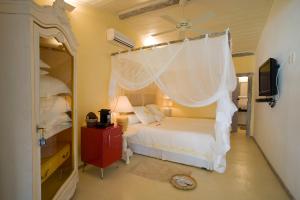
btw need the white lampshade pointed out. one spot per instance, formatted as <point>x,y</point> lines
<point>167,102</point>
<point>123,105</point>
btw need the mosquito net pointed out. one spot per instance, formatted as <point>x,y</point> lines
<point>193,73</point>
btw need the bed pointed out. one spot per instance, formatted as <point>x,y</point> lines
<point>193,74</point>
<point>183,140</point>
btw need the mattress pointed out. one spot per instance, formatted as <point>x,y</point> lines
<point>181,136</point>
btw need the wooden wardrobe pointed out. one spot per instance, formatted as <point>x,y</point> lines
<point>38,144</point>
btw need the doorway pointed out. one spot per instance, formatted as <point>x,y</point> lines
<point>242,98</point>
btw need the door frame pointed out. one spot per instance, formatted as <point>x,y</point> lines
<point>249,103</point>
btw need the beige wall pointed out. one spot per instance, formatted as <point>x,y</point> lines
<point>277,129</point>
<point>244,64</point>
<point>203,112</point>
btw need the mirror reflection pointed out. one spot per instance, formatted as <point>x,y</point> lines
<point>55,108</point>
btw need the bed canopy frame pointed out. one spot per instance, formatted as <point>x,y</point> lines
<point>192,72</point>
<point>215,34</point>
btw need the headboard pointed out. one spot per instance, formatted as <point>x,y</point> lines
<point>139,99</point>
<point>143,97</point>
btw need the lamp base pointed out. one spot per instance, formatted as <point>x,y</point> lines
<point>123,122</point>
<point>167,111</point>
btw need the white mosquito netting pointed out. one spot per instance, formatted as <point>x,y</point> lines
<point>193,73</point>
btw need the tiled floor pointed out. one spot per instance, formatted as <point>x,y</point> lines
<point>248,176</point>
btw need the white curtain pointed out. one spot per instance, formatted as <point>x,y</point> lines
<point>192,73</point>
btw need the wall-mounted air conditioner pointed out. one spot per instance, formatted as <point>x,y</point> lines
<point>119,38</point>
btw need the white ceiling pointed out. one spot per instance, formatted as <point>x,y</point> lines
<point>245,18</point>
<point>115,5</point>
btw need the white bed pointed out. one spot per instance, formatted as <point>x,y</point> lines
<point>183,140</point>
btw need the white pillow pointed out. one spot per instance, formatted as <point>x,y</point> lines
<point>48,120</point>
<point>43,65</point>
<point>50,86</point>
<point>53,111</point>
<point>154,109</point>
<point>54,104</point>
<point>133,119</point>
<point>43,72</point>
<point>144,115</point>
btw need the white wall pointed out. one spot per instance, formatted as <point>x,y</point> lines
<point>277,130</point>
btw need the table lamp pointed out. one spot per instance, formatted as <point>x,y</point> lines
<point>122,107</point>
<point>167,105</point>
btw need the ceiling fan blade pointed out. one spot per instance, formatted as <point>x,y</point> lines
<point>205,17</point>
<point>164,32</point>
<point>170,19</point>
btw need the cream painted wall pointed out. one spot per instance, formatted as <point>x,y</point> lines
<point>244,64</point>
<point>277,129</point>
<point>202,112</point>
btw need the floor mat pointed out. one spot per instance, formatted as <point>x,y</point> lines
<point>159,170</point>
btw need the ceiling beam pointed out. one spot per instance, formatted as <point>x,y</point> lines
<point>241,54</point>
<point>138,10</point>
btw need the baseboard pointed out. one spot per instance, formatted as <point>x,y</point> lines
<point>274,171</point>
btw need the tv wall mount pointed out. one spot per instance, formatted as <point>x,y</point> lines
<point>270,100</point>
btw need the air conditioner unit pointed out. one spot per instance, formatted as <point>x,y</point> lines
<point>119,38</point>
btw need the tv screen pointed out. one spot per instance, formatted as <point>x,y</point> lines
<point>267,78</point>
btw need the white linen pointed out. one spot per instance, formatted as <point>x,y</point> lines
<point>50,86</point>
<point>54,104</point>
<point>184,136</point>
<point>43,65</point>
<point>133,119</point>
<point>53,116</point>
<point>170,156</point>
<point>54,124</point>
<point>49,120</point>
<point>154,109</point>
<point>143,114</point>
<point>192,73</point>
<point>56,128</point>
<point>43,72</point>
<point>52,108</point>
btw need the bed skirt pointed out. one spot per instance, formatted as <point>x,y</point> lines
<point>171,156</point>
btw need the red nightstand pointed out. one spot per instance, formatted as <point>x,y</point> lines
<point>101,146</point>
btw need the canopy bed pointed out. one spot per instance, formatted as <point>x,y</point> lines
<point>192,73</point>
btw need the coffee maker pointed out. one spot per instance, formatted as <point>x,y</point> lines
<point>105,118</point>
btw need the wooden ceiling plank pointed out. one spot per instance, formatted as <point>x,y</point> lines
<point>148,8</point>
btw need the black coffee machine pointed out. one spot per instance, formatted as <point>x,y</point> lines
<point>105,118</point>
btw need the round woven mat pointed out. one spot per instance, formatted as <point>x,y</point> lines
<point>183,182</point>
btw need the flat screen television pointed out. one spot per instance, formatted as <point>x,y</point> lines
<point>267,78</point>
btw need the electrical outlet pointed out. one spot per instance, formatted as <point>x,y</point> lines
<point>292,58</point>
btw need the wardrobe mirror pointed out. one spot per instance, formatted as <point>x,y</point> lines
<point>55,108</point>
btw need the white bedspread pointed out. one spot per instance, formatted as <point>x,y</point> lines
<point>193,137</point>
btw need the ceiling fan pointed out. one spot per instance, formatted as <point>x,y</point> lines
<point>185,25</point>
